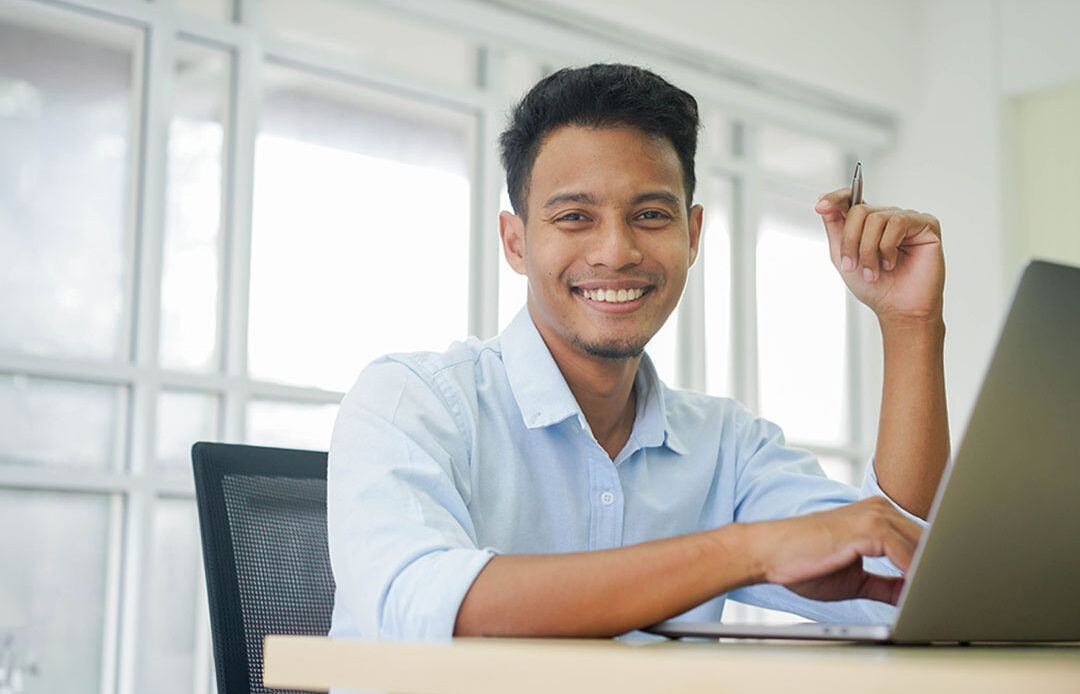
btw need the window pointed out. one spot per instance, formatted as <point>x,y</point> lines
<point>211,220</point>
<point>802,341</point>
<point>715,260</point>
<point>346,178</point>
<point>191,268</point>
<point>67,130</point>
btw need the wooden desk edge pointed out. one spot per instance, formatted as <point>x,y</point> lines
<point>480,666</point>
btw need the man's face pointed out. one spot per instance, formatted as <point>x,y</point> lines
<point>608,240</point>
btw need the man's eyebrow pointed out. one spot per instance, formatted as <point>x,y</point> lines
<point>586,199</point>
<point>657,196</point>
<point>562,198</point>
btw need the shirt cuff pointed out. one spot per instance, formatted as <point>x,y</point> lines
<point>870,487</point>
<point>882,565</point>
<point>424,599</point>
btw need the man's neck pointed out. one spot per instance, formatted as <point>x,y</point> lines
<point>603,388</point>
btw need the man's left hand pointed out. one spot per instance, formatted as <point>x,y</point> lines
<point>890,259</point>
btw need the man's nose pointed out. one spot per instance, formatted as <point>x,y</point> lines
<point>615,246</point>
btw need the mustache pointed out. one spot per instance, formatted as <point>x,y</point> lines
<point>644,277</point>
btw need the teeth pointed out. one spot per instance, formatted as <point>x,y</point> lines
<point>612,295</point>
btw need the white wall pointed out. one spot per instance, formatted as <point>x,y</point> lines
<point>1039,45</point>
<point>948,161</point>
<point>1040,77</point>
<point>857,48</point>
<point>1046,137</point>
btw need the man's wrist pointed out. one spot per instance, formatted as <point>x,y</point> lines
<point>924,328</point>
<point>746,544</point>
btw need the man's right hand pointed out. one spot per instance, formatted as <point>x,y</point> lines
<point>819,556</point>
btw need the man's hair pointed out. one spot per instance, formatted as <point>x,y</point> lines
<point>597,96</point>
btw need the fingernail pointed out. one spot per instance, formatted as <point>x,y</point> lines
<point>822,202</point>
<point>847,264</point>
<point>868,274</point>
<point>886,264</point>
<point>821,196</point>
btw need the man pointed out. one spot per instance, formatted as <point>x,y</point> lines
<point>545,482</point>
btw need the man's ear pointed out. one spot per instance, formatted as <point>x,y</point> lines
<point>512,233</point>
<point>696,214</point>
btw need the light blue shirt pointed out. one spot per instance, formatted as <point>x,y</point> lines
<point>440,461</point>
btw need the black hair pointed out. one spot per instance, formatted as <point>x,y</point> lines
<point>598,96</point>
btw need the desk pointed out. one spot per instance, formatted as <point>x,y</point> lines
<point>525,666</point>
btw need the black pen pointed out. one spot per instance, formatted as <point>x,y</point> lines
<point>856,185</point>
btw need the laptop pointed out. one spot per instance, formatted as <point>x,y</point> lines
<point>1000,560</point>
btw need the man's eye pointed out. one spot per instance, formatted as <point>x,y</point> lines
<point>571,217</point>
<point>653,215</point>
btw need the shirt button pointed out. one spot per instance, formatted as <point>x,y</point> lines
<point>607,498</point>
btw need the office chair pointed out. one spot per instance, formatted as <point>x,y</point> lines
<point>262,512</point>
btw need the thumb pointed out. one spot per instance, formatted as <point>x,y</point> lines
<point>833,211</point>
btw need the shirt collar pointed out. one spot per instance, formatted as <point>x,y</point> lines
<point>538,386</point>
<point>544,398</point>
<point>652,426</point>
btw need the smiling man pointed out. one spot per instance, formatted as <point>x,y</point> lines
<point>546,482</point>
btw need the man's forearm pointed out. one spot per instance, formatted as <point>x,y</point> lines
<point>605,593</point>
<point>913,434</point>
<point>609,592</point>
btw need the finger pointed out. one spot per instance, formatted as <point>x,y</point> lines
<point>911,530</point>
<point>899,549</point>
<point>882,588</point>
<point>852,234</point>
<point>895,232</point>
<point>868,245</point>
<point>883,510</point>
<point>835,201</point>
<point>833,210</point>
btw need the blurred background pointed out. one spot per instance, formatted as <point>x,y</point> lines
<point>214,214</point>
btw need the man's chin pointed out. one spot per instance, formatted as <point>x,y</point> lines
<point>614,350</point>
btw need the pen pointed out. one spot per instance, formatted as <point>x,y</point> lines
<point>856,185</point>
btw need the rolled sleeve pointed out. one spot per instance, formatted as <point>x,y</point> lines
<point>402,544</point>
<point>870,487</point>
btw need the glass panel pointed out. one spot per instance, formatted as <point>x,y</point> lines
<point>802,341</point>
<point>802,158</point>
<point>290,424</point>
<point>66,126</point>
<point>375,36</point>
<point>716,263</point>
<point>663,350</point>
<point>513,288</point>
<point>167,663</point>
<point>360,231</point>
<point>55,600</point>
<point>842,469</point>
<point>213,9</point>
<point>182,419</point>
<point>513,292</point>
<point>61,424</point>
<point>189,280</point>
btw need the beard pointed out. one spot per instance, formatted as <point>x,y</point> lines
<point>612,349</point>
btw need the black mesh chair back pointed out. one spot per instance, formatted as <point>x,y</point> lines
<point>262,513</point>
